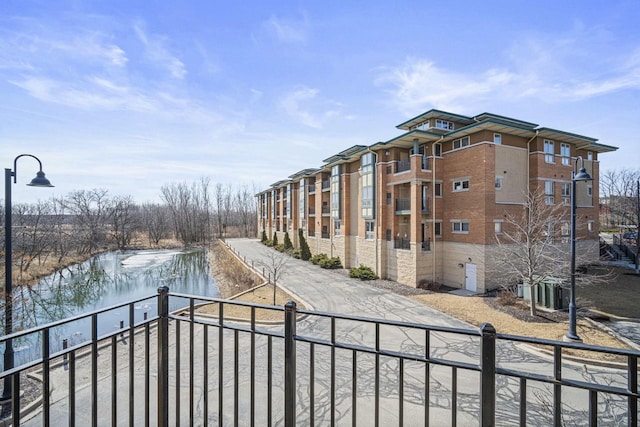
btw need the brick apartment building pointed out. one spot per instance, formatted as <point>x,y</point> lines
<point>426,205</point>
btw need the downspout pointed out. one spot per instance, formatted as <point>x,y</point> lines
<point>529,158</point>
<point>375,205</point>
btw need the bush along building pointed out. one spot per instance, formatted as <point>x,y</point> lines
<point>426,206</point>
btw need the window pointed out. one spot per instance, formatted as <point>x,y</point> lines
<point>302,200</point>
<point>497,138</point>
<point>387,235</point>
<point>590,190</point>
<point>336,227</point>
<point>566,193</point>
<point>368,229</point>
<point>443,124</point>
<point>437,149</point>
<point>462,142</point>
<point>335,192</point>
<point>437,229</point>
<point>389,198</point>
<point>462,185</point>
<point>565,152</point>
<point>565,231</point>
<point>438,189</point>
<point>548,151</point>
<point>498,183</point>
<point>425,198</point>
<point>549,231</point>
<point>368,180</point>
<point>497,226</point>
<point>590,226</point>
<point>459,226</point>
<point>548,193</point>
<point>589,155</point>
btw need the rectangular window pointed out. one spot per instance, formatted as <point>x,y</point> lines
<point>368,183</point>
<point>458,226</point>
<point>589,155</point>
<point>438,189</point>
<point>387,235</point>
<point>566,193</point>
<point>589,190</point>
<point>462,142</point>
<point>565,231</point>
<point>549,151</point>
<point>437,229</point>
<point>498,183</point>
<point>590,226</point>
<point>444,124</point>
<point>497,138</point>
<point>497,226</point>
<point>368,229</point>
<point>336,227</point>
<point>389,198</point>
<point>462,185</point>
<point>437,149</point>
<point>549,193</point>
<point>565,153</point>
<point>335,191</point>
<point>425,198</point>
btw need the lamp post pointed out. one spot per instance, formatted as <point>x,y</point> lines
<point>581,175</point>
<point>38,181</point>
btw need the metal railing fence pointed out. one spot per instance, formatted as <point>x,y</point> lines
<point>192,367</point>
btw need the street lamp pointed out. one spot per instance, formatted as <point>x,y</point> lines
<point>581,175</point>
<point>38,181</point>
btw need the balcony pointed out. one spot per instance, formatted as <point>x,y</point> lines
<point>426,245</point>
<point>426,206</point>
<point>312,211</point>
<point>426,163</point>
<point>326,185</point>
<point>186,368</point>
<point>403,165</point>
<point>402,244</point>
<point>311,233</point>
<point>325,235</point>
<point>326,210</point>
<point>403,206</point>
<point>312,188</point>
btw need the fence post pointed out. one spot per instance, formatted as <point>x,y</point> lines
<point>163,356</point>
<point>290,364</point>
<point>488,375</point>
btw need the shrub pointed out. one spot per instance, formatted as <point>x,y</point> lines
<point>296,253</point>
<point>264,237</point>
<point>318,258</point>
<point>429,285</point>
<point>305,252</point>
<point>268,243</point>
<point>331,263</point>
<point>287,242</point>
<point>363,273</point>
<point>274,241</point>
<point>506,297</point>
<point>279,247</point>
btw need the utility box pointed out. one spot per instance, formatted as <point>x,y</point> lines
<point>550,294</point>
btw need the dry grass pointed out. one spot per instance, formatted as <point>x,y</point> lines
<point>259,295</point>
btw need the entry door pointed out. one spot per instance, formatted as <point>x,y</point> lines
<point>470,277</point>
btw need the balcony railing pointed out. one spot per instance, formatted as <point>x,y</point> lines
<point>403,205</point>
<point>403,165</point>
<point>325,235</point>
<point>326,185</point>
<point>426,245</point>
<point>402,244</point>
<point>312,211</point>
<point>426,163</point>
<point>325,209</point>
<point>311,233</point>
<point>190,368</point>
<point>312,188</point>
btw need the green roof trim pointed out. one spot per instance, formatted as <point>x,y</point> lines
<point>432,113</point>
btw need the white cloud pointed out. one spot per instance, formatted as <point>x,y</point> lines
<point>305,105</point>
<point>158,54</point>
<point>288,31</point>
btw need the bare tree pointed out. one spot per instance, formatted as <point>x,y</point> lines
<point>124,220</point>
<point>245,206</point>
<point>275,264</point>
<point>619,196</point>
<point>155,222</point>
<point>91,210</point>
<point>526,246</point>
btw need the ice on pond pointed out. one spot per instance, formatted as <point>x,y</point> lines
<point>148,258</point>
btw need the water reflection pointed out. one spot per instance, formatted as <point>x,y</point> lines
<point>103,281</point>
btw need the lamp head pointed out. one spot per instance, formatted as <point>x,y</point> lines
<point>582,175</point>
<point>40,181</point>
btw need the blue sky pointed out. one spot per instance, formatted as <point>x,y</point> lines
<point>131,95</point>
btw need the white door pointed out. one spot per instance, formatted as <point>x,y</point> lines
<point>470,277</point>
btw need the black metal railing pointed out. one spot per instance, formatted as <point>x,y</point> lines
<point>326,184</point>
<point>403,205</point>
<point>312,211</point>
<point>192,367</point>
<point>312,188</point>
<point>325,235</point>
<point>402,243</point>
<point>426,245</point>
<point>403,165</point>
<point>426,163</point>
<point>325,209</point>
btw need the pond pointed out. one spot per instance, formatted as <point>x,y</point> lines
<point>103,281</point>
